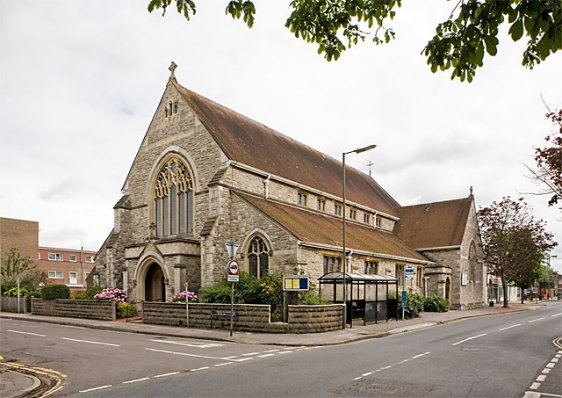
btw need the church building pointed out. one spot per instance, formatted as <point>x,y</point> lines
<point>205,175</point>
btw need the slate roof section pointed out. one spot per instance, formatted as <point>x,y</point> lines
<point>312,227</point>
<point>431,225</point>
<point>254,144</point>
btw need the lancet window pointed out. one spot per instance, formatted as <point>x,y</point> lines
<point>258,257</point>
<point>173,199</point>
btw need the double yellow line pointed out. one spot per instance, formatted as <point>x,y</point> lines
<point>41,374</point>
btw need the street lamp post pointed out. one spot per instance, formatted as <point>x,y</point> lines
<point>344,254</point>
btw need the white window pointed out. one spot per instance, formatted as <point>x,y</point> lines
<point>55,257</point>
<point>89,259</point>
<point>86,275</point>
<point>55,275</point>
<point>73,278</point>
<point>73,258</point>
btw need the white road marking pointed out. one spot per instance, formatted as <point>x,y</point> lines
<point>556,315</point>
<point>265,355</point>
<point>541,377</point>
<point>509,327</point>
<point>531,394</point>
<point>420,355</point>
<point>167,374</point>
<point>358,378</point>
<point>90,342</point>
<point>272,351</point>
<point>367,374</point>
<point>285,352</point>
<point>550,365</point>
<point>250,353</point>
<point>558,356</point>
<point>554,360</point>
<point>209,345</point>
<point>198,369</point>
<point>243,359</point>
<point>31,334</point>
<point>469,338</point>
<point>534,386</point>
<point>535,320</point>
<point>136,380</point>
<point>223,364</point>
<point>186,354</point>
<point>96,388</point>
<point>385,367</point>
<point>405,360</point>
<point>546,371</point>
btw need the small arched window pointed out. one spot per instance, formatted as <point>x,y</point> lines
<point>258,257</point>
<point>173,199</point>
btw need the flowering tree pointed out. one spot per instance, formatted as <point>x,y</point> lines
<point>549,162</point>
<point>514,243</point>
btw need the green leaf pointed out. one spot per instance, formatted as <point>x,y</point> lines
<point>516,30</point>
<point>490,45</point>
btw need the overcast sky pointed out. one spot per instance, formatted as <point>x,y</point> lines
<point>80,81</point>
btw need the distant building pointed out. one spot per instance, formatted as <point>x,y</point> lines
<point>20,234</point>
<point>68,266</point>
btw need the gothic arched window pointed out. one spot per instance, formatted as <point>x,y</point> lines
<point>173,199</point>
<point>258,257</point>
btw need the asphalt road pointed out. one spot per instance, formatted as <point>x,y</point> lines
<point>496,356</point>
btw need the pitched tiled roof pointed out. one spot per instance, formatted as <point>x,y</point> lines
<point>438,224</point>
<point>254,144</point>
<point>312,227</point>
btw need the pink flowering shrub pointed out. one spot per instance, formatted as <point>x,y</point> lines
<point>180,297</point>
<point>113,293</point>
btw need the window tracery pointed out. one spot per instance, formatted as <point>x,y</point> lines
<point>173,199</point>
<point>258,257</point>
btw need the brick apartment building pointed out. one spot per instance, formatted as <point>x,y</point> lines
<point>68,266</point>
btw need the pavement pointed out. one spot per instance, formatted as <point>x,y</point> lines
<point>16,381</point>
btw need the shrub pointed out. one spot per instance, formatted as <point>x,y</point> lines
<point>89,294</point>
<point>126,310</point>
<point>414,305</point>
<point>24,292</point>
<point>55,291</point>
<point>435,303</point>
<point>112,293</point>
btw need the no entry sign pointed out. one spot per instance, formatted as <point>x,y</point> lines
<point>233,269</point>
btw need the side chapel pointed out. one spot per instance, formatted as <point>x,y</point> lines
<point>205,174</point>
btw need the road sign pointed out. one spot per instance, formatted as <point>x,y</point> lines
<point>409,271</point>
<point>233,267</point>
<point>404,298</point>
<point>296,283</point>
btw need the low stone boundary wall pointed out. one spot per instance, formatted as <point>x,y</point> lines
<point>10,304</point>
<point>103,310</point>
<point>248,317</point>
<point>315,318</point>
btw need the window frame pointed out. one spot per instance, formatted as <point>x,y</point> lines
<point>56,257</point>
<point>73,258</point>
<point>55,274</point>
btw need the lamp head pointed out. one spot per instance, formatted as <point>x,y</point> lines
<point>365,149</point>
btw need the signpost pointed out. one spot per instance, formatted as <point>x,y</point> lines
<point>232,277</point>
<point>186,302</point>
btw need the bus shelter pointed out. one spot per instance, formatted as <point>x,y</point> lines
<point>369,297</point>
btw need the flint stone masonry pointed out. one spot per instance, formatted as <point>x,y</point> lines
<point>102,310</point>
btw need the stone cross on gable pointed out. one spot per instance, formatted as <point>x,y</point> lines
<point>172,70</point>
<point>370,164</point>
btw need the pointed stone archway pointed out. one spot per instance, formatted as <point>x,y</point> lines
<point>151,279</point>
<point>154,283</point>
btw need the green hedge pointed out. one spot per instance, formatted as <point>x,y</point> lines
<point>55,291</point>
<point>435,303</point>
